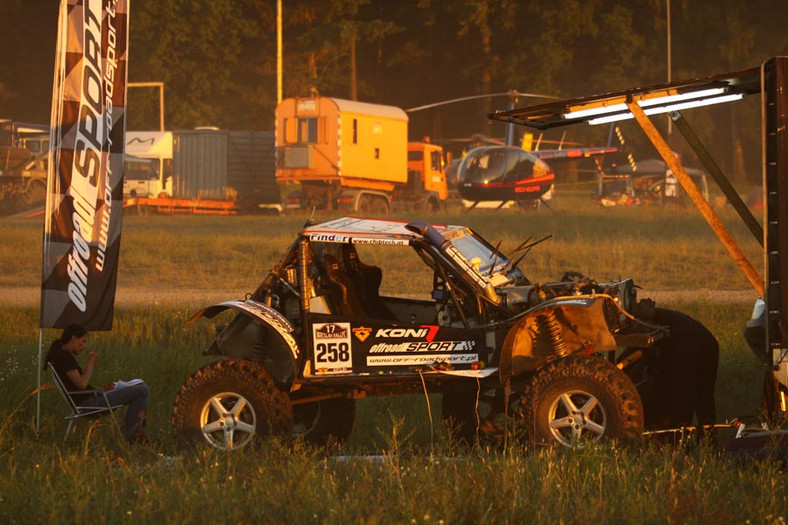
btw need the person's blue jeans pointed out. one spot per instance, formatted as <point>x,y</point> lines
<point>134,396</point>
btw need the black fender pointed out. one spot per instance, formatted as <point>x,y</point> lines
<point>243,338</point>
<point>579,323</point>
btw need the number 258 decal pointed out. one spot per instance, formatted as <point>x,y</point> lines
<point>332,352</point>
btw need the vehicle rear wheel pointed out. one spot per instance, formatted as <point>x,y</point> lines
<point>581,399</point>
<point>363,204</point>
<point>322,421</point>
<point>227,404</point>
<point>379,206</point>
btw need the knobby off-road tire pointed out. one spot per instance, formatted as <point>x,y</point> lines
<point>323,421</point>
<point>581,399</point>
<point>227,404</point>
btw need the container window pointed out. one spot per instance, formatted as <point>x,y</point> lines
<point>307,130</point>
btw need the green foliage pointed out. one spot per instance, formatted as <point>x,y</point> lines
<point>217,58</point>
<point>195,48</point>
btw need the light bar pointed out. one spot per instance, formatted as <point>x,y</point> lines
<point>669,99</point>
<point>667,108</point>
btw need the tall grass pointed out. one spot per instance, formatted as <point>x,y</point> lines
<point>95,477</point>
<point>662,248</point>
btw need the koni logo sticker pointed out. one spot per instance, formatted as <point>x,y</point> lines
<point>362,332</point>
<point>425,331</point>
<point>331,331</point>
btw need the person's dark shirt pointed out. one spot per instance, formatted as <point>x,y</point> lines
<point>64,361</point>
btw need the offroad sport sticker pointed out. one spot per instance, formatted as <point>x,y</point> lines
<point>332,351</point>
<point>422,346</point>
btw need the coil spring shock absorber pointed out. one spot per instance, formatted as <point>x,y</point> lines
<point>552,328</point>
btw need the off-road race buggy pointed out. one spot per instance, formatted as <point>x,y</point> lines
<point>551,362</point>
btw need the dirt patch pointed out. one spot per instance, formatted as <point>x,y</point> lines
<point>132,297</point>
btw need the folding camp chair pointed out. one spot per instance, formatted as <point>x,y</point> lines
<point>77,411</point>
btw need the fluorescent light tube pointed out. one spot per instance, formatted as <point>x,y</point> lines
<point>670,99</point>
<point>667,108</point>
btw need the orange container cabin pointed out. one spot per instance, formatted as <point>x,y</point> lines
<point>341,142</point>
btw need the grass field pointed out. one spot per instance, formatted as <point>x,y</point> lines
<point>417,475</point>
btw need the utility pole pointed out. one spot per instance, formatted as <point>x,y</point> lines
<point>278,51</point>
<point>670,122</point>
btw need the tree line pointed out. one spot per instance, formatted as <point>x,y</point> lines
<point>217,58</point>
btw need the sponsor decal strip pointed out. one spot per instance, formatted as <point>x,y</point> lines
<point>425,359</point>
<point>345,239</point>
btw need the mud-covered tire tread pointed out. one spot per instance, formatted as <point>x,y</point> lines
<point>274,412</point>
<point>625,416</point>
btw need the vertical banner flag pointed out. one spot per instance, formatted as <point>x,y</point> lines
<point>85,178</point>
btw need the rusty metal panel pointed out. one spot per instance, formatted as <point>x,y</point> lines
<point>199,164</point>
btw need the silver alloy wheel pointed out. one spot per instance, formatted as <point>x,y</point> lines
<point>576,416</point>
<point>228,421</point>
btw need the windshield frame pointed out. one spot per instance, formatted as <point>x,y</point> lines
<point>482,256</point>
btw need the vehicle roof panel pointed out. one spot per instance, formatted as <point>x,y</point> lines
<point>361,230</point>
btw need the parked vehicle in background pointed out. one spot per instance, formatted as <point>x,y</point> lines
<point>24,158</point>
<point>355,156</point>
<point>201,171</point>
<point>148,164</point>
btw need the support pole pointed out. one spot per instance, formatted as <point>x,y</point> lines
<point>696,196</point>
<point>38,389</point>
<point>714,170</point>
<point>278,51</point>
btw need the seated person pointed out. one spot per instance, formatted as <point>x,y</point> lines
<point>63,353</point>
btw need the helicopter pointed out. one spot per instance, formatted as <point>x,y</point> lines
<point>503,172</point>
<point>510,173</point>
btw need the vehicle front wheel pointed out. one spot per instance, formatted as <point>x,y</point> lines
<point>227,404</point>
<point>581,399</point>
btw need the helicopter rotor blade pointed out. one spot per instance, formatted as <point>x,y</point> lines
<point>513,93</point>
